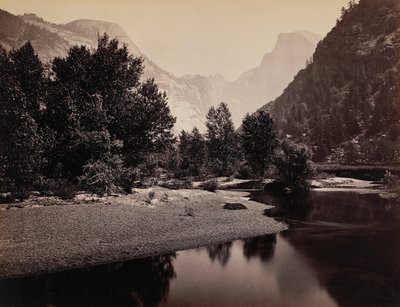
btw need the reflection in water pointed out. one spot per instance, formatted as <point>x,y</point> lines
<point>342,249</point>
<point>262,247</point>
<point>221,252</point>
<point>136,283</point>
<point>352,242</point>
<point>336,208</point>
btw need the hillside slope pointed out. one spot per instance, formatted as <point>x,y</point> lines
<point>267,81</point>
<point>345,105</point>
<point>189,98</point>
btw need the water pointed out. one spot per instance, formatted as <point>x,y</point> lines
<point>342,249</point>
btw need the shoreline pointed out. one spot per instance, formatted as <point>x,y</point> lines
<point>45,234</point>
<point>93,231</point>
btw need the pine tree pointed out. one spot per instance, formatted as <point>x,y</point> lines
<point>20,142</point>
<point>221,140</point>
<point>258,140</point>
<point>29,72</point>
<point>192,153</point>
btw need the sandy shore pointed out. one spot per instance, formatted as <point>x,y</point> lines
<point>46,235</point>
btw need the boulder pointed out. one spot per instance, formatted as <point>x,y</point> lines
<point>234,206</point>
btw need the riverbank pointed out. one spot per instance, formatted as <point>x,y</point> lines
<point>44,235</point>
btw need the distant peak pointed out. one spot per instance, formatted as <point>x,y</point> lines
<point>31,16</point>
<point>309,36</point>
<point>93,22</point>
<point>293,40</point>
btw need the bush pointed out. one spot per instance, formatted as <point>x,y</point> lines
<point>244,171</point>
<point>105,176</point>
<point>58,187</point>
<point>20,195</point>
<point>188,211</point>
<point>176,184</point>
<point>293,166</point>
<point>65,190</point>
<point>391,181</point>
<point>210,185</point>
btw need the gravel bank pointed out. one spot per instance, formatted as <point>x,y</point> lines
<point>38,239</point>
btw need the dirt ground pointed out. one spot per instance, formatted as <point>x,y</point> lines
<point>46,234</point>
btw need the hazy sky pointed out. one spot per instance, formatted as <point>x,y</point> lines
<point>196,36</point>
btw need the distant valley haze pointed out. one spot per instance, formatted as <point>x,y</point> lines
<point>196,37</point>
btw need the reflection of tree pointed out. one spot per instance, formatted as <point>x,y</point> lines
<point>137,283</point>
<point>221,252</point>
<point>263,247</point>
<point>286,206</point>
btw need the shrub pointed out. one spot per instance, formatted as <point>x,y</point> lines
<point>126,179</point>
<point>188,211</point>
<point>151,195</point>
<point>20,195</point>
<point>176,184</point>
<point>244,171</point>
<point>58,187</point>
<point>103,176</point>
<point>391,181</point>
<point>65,189</point>
<point>293,166</point>
<point>210,185</point>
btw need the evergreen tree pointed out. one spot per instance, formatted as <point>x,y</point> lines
<point>258,140</point>
<point>222,140</point>
<point>293,165</point>
<point>20,142</point>
<point>192,153</point>
<point>29,72</point>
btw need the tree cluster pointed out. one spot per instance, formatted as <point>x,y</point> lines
<point>248,152</point>
<point>87,118</point>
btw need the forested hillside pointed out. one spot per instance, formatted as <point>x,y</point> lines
<point>345,103</point>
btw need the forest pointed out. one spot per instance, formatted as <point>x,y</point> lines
<point>88,121</point>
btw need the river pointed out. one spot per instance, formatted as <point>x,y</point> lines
<point>341,249</point>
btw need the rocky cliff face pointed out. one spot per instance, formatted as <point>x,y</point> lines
<point>269,79</point>
<point>346,103</point>
<point>189,97</point>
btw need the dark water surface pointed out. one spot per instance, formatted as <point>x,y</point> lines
<point>342,249</point>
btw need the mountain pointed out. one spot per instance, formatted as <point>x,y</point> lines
<point>346,104</point>
<point>189,97</point>
<point>269,79</point>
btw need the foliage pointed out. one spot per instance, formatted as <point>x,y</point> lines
<point>221,140</point>
<point>188,211</point>
<point>243,171</point>
<point>98,106</point>
<point>191,153</point>
<point>258,139</point>
<point>175,184</point>
<point>103,176</point>
<point>89,116</point>
<point>210,185</point>
<point>58,187</point>
<point>391,181</point>
<point>293,166</point>
<point>20,139</point>
<point>335,102</point>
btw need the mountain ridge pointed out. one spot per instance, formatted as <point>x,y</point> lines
<point>190,96</point>
<point>268,80</point>
<point>345,105</point>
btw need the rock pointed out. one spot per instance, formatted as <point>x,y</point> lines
<point>154,202</point>
<point>234,206</point>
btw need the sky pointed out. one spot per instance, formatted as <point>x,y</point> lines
<point>196,36</point>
